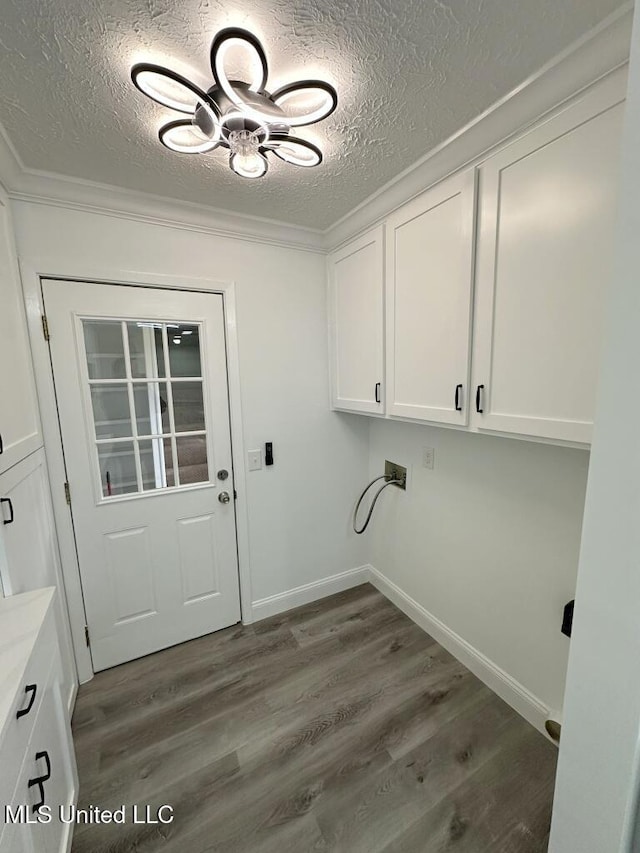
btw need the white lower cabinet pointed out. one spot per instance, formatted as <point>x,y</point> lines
<point>429,286</point>
<point>546,232</point>
<point>46,779</point>
<point>48,775</point>
<point>36,749</point>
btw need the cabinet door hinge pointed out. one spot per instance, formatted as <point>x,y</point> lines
<point>235,495</point>
<point>67,493</point>
<point>86,635</point>
<point>45,328</point>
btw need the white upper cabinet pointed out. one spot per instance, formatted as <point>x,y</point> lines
<point>495,282</point>
<point>429,265</point>
<point>546,226</point>
<point>19,425</point>
<point>356,303</point>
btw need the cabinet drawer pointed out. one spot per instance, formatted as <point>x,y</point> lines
<point>49,763</point>
<point>41,670</point>
<point>21,837</point>
<point>27,837</point>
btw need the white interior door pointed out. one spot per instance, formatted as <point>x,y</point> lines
<point>141,386</point>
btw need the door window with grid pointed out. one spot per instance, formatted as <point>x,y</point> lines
<point>146,388</point>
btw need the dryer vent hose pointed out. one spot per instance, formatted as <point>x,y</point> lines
<point>373,502</point>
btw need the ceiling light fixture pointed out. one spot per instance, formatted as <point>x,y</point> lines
<point>240,116</point>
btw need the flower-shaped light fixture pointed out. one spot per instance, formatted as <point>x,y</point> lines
<point>240,116</point>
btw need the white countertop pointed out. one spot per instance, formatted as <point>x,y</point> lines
<point>21,618</point>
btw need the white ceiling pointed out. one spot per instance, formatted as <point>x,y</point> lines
<point>408,75</point>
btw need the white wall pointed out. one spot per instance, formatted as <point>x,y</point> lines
<point>595,801</point>
<point>494,528</point>
<point>487,542</point>
<point>299,509</point>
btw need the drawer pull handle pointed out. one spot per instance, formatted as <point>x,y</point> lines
<point>458,404</point>
<point>31,689</point>
<point>479,407</point>
<point>40,780</point>
<point>8,501</point>
<point>377,392</point>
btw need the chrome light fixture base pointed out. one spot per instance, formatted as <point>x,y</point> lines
<point>243,117</point>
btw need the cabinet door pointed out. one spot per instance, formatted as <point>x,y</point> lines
<point>429,297</point>
<point>50,758</point>
<point>53,735</point>
<point>356,282</point>
<point>547,215</point>
<point>29,548</point>
<point>19,425</point>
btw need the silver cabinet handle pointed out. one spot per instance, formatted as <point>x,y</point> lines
<point>224,497</point>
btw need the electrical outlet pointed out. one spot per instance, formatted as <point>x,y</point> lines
<point>255,460</point>
<point>428,457</point>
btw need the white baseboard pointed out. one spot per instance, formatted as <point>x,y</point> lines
<point>513,693</point>
<point>274,604</point>
<point>508,688</point>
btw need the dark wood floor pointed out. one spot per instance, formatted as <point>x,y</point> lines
<point>340,726</point>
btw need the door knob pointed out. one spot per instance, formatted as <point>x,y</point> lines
<point>224,497</point>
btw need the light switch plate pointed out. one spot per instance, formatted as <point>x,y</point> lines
<point>255,460</point>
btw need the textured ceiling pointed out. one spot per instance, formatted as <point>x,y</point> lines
<point>408,75</point>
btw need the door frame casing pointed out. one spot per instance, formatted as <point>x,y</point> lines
<point>32,271</point>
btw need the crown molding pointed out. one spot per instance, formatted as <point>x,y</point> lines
<point>36,187</point>
<point>602,52</point>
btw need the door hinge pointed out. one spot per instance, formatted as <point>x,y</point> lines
<point>235,495</point>
<point>86,635</point>
<point>45,328</point>
<point>67,493</point>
